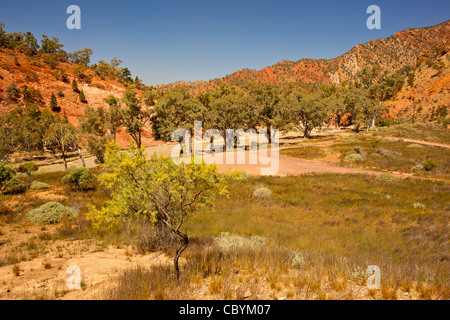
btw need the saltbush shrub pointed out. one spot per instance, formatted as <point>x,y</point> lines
<point>37,185</point>
<point>429,164</point>
<point>51,213</point>
<point>228,242</point>
<point>356,157</point>
<point>296,259</point>
<point>262,193</point>
<point>80,179</point>
<point>415,146</point>
<point>351,140</point>
<point>419,206</point>
<point>385,177</point>
<point>418,168</point>
<point>432,139</point>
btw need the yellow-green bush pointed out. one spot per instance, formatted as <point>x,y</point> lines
<point>51,213</point>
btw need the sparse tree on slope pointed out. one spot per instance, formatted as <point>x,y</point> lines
<point>156,192</point>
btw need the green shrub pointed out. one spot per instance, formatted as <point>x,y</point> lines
<point>385,177</point>
<point>15,186</point>
<point>28,168</point>
<point>51,213</point>
<point>356,157</point>
<point>429,164</point>
<point>80,178</point>
<point>262,193</point>
<point>375,155</point>
<point>418,168</point>
<point>37,185</point>
<point>228,242</point>
<point>296,259</point>
<point>432,139</point>
<point>7,177</point>
<point>419,206</point>
<point>351,140</point>
<point>415,146</point>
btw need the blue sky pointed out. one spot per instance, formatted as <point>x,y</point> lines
<point>167,40</point>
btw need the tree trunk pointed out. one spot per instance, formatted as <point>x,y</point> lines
<point>338,121</point>
<point>82,159</point>
<point>269,135</point>
<point>179,252</point>
<point>63,155</point>
<point>211,147</point>
<point>306,132</point>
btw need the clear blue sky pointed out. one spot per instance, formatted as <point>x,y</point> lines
<point>167,40</point>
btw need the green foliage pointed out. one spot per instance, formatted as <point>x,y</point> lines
<point>50,60</point>
<point>113,116</point>
<point>61,135</point>
<point>411,77</point>
<point>82,57</point>
<point>75,86</point>
<point>307,112</point>
<point>177,109</point>
<point>112,70</point>
<point>266,111</point>
<point>30,94</point>
<point>54,104</point>
<point>7,175</point>
<point>12,91</point>
<point>38,185</point>
<point>442,112</point>
<point>23,129</point>
<point>80,179</point>
<point>386,177</point>
<point>415,146</point>
<point>82,74</point>
<point>418,168</point>
<point>351,140</point>
<point>356,157</point>
<point>82,97</point>
<point>28,168</point>
<point>50,46</point>
<point>419,206</point>
<point>429,164</point>
<point>94,125</point>
<point>157,191</point>
<point>51,213</point>
<point>262,193</point>
<point>136,114</point>
<point>230,243</point>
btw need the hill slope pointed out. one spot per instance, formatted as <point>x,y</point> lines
<point>397,51</point>
<point>43,79</point>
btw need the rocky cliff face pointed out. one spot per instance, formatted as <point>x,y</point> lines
<point>400,50</point>
<point>43,80</point>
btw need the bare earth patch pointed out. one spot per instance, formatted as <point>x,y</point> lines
<point>44,276</point>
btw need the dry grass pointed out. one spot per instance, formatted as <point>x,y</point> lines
<point>377,153</point>
<point>319,234</point>
<point>420,131</point>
